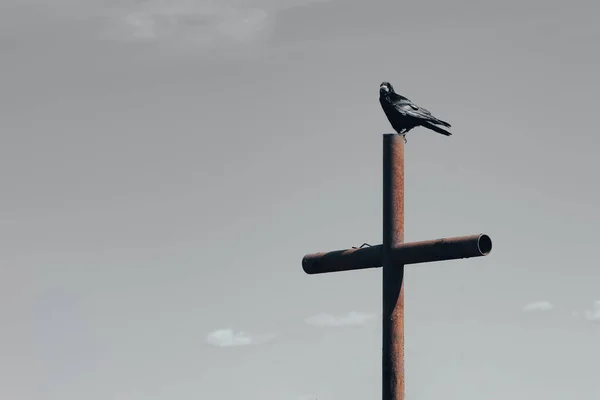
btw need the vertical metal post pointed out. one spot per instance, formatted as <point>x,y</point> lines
<point>392,372</point>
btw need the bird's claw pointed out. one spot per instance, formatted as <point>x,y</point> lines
<point>362,245</point>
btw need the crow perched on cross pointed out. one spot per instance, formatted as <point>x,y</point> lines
<point>404,115</point>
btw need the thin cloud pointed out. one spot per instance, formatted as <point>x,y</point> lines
<point>209,23</point>
<point>201,22</point>
<point>350,319</point>
<point>593,315</point>
<point>230,338</point>
<point>538,306</point>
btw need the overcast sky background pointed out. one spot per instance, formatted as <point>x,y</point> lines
<point>165,165</point>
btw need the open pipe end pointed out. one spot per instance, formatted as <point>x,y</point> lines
<point>306,264</point>
<point>484,244</point>
<point>310,263</point>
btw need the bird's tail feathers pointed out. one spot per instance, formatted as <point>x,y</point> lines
<point>441,122</point>
<point>437,128</point>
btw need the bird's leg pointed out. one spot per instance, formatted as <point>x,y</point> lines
<point>403,133</point>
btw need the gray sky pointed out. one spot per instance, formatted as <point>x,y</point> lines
<point>166,164</point>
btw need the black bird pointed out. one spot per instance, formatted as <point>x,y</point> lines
<point>404,115</point>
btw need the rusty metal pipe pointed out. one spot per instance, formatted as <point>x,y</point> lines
<point>443,249</point>
<point>342,260</point>
<point>392,348</point>
<point>408,253</point>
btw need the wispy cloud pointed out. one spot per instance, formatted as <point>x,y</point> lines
<point>538,306</point>
<point>594,313</point>
<point>349,319</point>
<point>200,22</point>
<point>230,338</point>
<point>206,22</point>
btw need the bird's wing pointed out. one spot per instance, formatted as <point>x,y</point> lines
<point>408,108</point>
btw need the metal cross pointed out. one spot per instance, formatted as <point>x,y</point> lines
<point>393,255</point>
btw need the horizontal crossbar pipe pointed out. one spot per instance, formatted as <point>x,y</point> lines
<point>443,249</point>
<point>406,253</point>
<point>343,260</point>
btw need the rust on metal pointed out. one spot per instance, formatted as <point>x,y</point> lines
<point>393,255</point>
<point>342,260</point>
<point>443,249</point>
<point>407,253</point>
<point>392,366</point>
